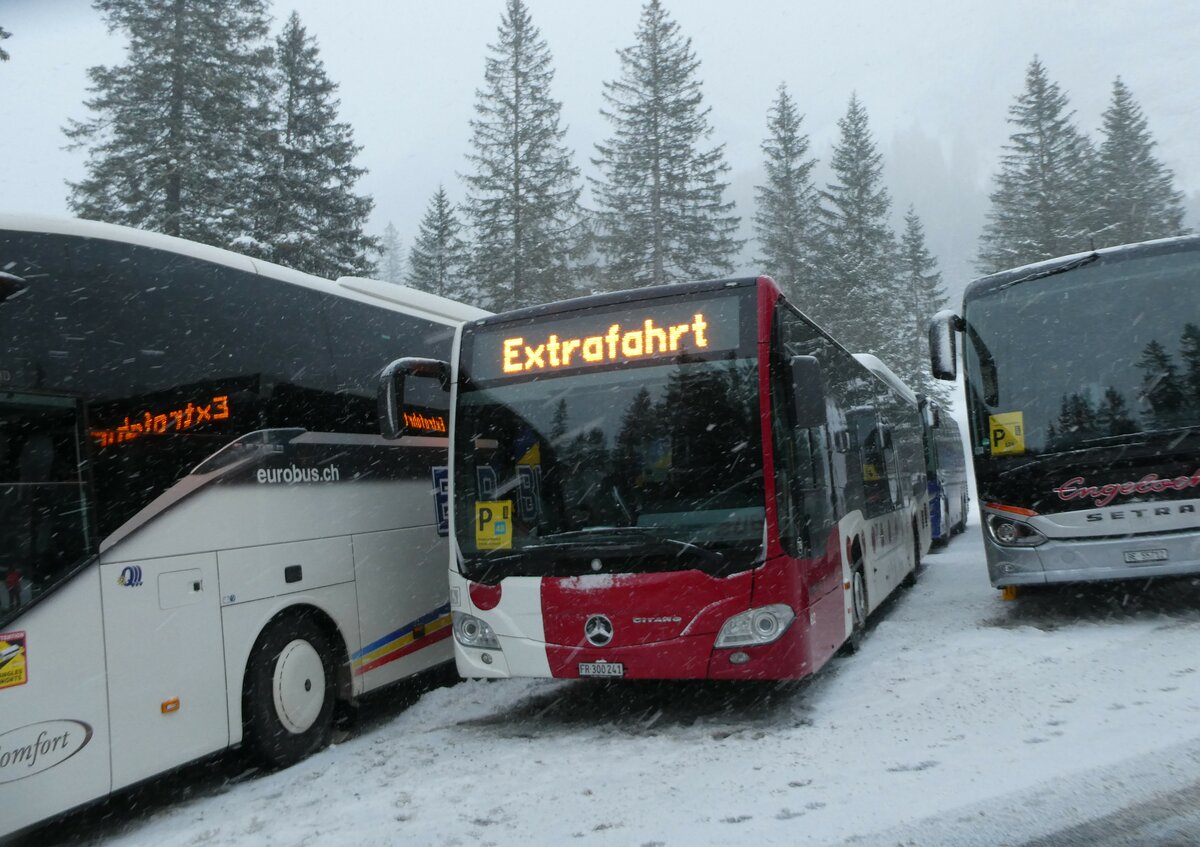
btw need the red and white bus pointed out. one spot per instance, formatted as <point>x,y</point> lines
<point>692,481</point>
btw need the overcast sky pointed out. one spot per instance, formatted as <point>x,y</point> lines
<point>937,79</point>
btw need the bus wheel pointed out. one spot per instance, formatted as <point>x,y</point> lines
<point>289,694</point>
<point>910,578</point>
<point>858,606</point>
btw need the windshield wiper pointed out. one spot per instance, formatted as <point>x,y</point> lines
<point>1058,269</point>
<point>602,540</point>
<point>1134,439</point>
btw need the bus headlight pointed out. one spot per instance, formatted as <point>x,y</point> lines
<point>756,626</point>
<point>1010,533</point>
<point>471,631</point>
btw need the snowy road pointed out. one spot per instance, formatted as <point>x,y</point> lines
<point>963,720</point>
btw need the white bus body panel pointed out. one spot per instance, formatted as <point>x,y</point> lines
<point>401,580</point>
<point>64,694</point>
<point>518,625</point>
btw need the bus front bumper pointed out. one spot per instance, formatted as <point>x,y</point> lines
<point>689,657</point>
<point>1088,560</point>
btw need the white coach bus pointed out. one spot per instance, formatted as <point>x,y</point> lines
<point>204,541</point>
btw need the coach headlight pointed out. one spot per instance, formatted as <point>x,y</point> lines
<point>471,631</point>
<point>1010,533</point>
<point>756,626</point>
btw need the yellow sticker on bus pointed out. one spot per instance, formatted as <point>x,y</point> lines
<point>1007,434</point>
<point>493,524</point>
<point>13,661</point>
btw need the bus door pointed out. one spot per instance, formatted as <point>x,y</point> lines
<point>883,500</point>
<point>53,708</point>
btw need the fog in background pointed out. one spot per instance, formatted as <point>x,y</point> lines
<point>937,79</point>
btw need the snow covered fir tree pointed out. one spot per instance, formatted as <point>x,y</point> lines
<point>440,260</point>
<point>4,34</point>
<point>211,132</point>
<point>1041,206</point>
<point>391,256</point>
<point>523,192</point>
<point>787,217</point>
<point>919,279</point>
<point>307,214</point>
<point>163,153</point>
<point>1135,194</point>
<point>662,213</point>
<point>858,298</point>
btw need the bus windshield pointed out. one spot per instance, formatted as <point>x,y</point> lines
<point>1066,360</point>
<point>626,470</point>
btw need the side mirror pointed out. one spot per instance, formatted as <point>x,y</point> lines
<point>414,398</point>
<point>808,392</point>
<point>943,352</point>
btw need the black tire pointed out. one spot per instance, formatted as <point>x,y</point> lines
<point>288,699</point>
<point>961,526</point>
<point>858,603</point>
<point>910,579</point>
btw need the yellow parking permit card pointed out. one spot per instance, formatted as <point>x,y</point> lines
<point>1007,433</point>
<point>493,524</point>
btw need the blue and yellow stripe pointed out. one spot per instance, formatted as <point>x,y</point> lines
<point>424,631</point>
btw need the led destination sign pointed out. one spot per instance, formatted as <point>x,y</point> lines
<point>639,332</point>
<point>164,421</point>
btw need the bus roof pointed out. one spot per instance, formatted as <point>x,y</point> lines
<point>423,303</point>
<point>875,366</point>
<point>987,284</point>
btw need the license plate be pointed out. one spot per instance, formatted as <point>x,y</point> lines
<point>1136,557</point>
<point>606,669</point>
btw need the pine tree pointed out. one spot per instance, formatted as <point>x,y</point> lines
<point>1112,415</point>
<point>308,216</point>
<point>1041,206</point>
<point>439,257</point>
<point>1189,346</point>
<point>175,129</point>
<point>1161,386</point>
<point>391,256</point>
<point>3,35</point>
<point>787,219</point>
<point>523,196</point>
<point>1137,198</point>
<point>1076,420</point>
<point>921,281</point>
<point>859,291</point>
<point>662,214</point>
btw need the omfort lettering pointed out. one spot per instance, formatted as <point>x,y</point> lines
<point>617,344</point>
<point>1077,488</point>
<point>31,749</point>
<point>28,754</point>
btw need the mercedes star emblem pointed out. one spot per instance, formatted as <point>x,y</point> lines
<point>598,630</point>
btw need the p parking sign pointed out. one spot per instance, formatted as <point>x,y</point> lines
<point>1007,434</point>
<point>493,524</point>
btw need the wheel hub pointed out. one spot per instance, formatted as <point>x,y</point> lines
<point>298,686</point>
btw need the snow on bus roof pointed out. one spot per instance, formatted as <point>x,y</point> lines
<point>367,290</point>
<point>875,366</point>
<point>985,283</point>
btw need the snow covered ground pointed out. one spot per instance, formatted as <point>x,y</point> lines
<point>963,720</point>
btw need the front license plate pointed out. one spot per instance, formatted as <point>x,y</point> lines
<point>601,669</point>
<point>1135,557</point>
